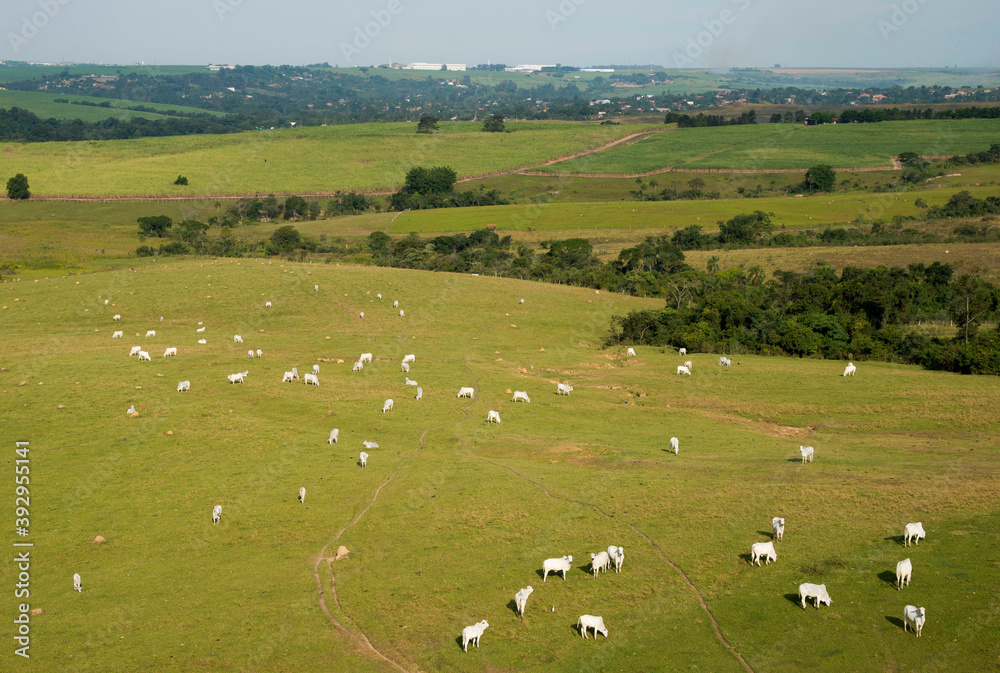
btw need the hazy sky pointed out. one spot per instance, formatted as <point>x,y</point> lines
<point>696,33</point>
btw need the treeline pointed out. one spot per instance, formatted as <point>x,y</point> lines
<point>860,314</point>
<point>427,188</point>
<point>20,125</point>
<point>701,119</point>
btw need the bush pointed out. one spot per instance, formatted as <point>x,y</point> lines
<point>181,180</point>
<point>174,248</point>
<point>145,251</point>
<point>17,188</point>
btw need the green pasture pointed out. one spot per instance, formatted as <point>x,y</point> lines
<point>787,146</point>
<point>292,161</point>
<point>45,106</point>
<point>16,73</point>
<point>466,512</point>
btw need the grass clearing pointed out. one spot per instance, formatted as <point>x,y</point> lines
<point>468,510</point>
<point>45,105</point>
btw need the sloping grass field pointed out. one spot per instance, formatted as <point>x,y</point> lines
<point>46,105</point>
<point>452,516</point>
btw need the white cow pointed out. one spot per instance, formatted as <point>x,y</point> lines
<point>522,301</point>
<point>521,599</point>
<point>370,445</point>
<point>365,357</point>
<point>617,555</point>
<point>105,302</point>
<point>409,382</point>
<point>363,459</point>
<point>116,317</point>
<point>521,396</point>
<point>334,436</point>
<point>420,393</point>
<point>778,526</point>
<point>689,364</point>
<point>563,389</point>
<point>315,369</point>
<point>913,531</point>
<point>311,378</point>
<point>143,355</point>
<point>379,296</point>
<point>591,622</point>
<point>316,288</point>
<point>630,353</point>
<point>216,514</point>
<point>556,565</point>
<point>151,333</point>
<point>682,351</point>
<point>287,378</point>
<point>358,366</point>
<point>387,406</point>
<point>183,385</point>
<point>401,314</point>
<point>492,416</point>
<point>471,634</point>
<point>118,335</point>
<point>395,304</point>
<point>904,571</point>
<point>302,494</point>
<point>405,366</point>
<point>675,445</point>
<point>763,550</point>
<point>260,353</point>
<point>681,369</point>
<point>250,354</point>
<point>170,352</point>
<point>200,329</point>
<point>295,373</point>
<point>135,350</point>
<point>724,361</point>
<point>410,358</point>
<point>202,341</point>
<point>267,304</point>
<point>466,392</point>
<point>816,591</point>
<point>237,377</point>
<point>850,369</point>
<point>237,339</point>
<point>599,561</point>
<point>915,617</point>
<point>362,314</point>
<point>807,453</point>
<point>77,586</point>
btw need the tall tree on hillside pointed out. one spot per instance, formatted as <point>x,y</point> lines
<point>427,124</point>
<point>820,179</point>
<point>494,124</point>
<point>17,187</point>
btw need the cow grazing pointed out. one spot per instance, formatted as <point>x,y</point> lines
<point>850,369</point>
<point>316,288</point>
<point>150,333</point>
<point>492,416</point>
<point>295,373</point>
<point>410,358</point>
<point>105,302</point>
<point>143,355</point>
<point>914,617</point>
<point>267,304</point>
<point>807,453</point>
<point>405,367</point>
<point>311,379</point>
<point>118,335</point>
<point>237,377</point>
<point>556,565</point>
<point>675,445</point>
<point>237,339</point>
<point>681,369</point>
<point>682,351</point>
<point>563,389</point>
<point>183,386</point>
<point>914,532</point>
<point>135,350</point>
<point>315,369</point>
<point>379,296</point>
<point>260,353</point>
<point>116,317</point>
<point>599,561</point>
<point>334,436</point>
<point>763,550</point>
<point>216,514</point>
<point>302,494</point>
<point>395,303</point>
<point>401,313</point>
<point>77,585</point>
<point>689,364</point>
<point>466,392</point>
<point>816,591</point>
<point>365,358</point>
<point>287,378</point>
<point>387,406</point>
<point>358,366</point>
<point>420,393</point>
<point>363,459</point>
<point>617,555</point>
<point>591,622</point>
<point>361,315</point>
<point>904,571</point>
<point>630,353</point>
<point>778,527</point>
<point>250,354</point>
<point>521,599</point>
<point>471,634</point>
<point>521,396</point>
<point>522,301</point>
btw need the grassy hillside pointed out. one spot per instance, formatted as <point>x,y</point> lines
<point>45,106</point>
<point>312,160</point>
<point>452,516</point>
<point>788,146</point>
<point>16,73</point>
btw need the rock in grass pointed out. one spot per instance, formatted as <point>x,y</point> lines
<point>99,539</point>
<point>342,552</point>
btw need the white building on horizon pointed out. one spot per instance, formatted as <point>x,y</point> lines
<point>435,66</point>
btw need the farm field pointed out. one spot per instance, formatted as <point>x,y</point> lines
<point>16,73</point>
<point>45,106</point>
<point>786,146</point>
<point>293,161</point>
<point>452,516</point>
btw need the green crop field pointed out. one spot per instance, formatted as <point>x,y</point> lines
<point>301,160</point>
<point>45,106</point>
<point>452,516</point>
<point>16,73</point>
<point>787,146</point>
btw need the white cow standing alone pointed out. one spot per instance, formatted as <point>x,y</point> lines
<point>302,494</point>
<point>387,406</point>
<point>913,531</point>
<point>563,389</point>
<point>237,339</point>
<point>682,351</point>
<point>763,550</point>
<point>675,445</point>
<point>807,453</point>
<point>401,314</point>
<point>521,396</point>
<point>466,392</point>
<point>521,599</point>
<point>216,514</point>
<point>118,335</point>
<point>850,369</point>
<point>816,591</point>
<point>116,317</point>
<point>334,435</point>
<point>904,571</point>
<point>170,352</point>
<point>591,622</point>
<point>471,634</point>
<point>778,526</point>
<point>915,617</point>
<point>364,459</point>
<point>556,565</point>
<point>151,333</point>
<point>77,585</point>
<point>493,416</point>
<point>630,353</point>
<point>183,385</point>
<point>420,394</point>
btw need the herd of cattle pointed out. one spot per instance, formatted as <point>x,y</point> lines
<point>913,617</point>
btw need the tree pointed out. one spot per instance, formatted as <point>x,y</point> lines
<point>286,238</point>
<point>494,124</point>
<point>427,124</point>
<point>745,228</point>
<point>438,180</point>
<point>975,299</point>
<point>17,187</point>
<point>181,180</point>
<point>820,178</point>
<point>776,118</point>
<point>154,226</point>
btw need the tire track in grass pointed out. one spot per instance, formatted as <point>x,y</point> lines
<point>649,541</point>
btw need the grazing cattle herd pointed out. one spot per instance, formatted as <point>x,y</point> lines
<point>913,617</point>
